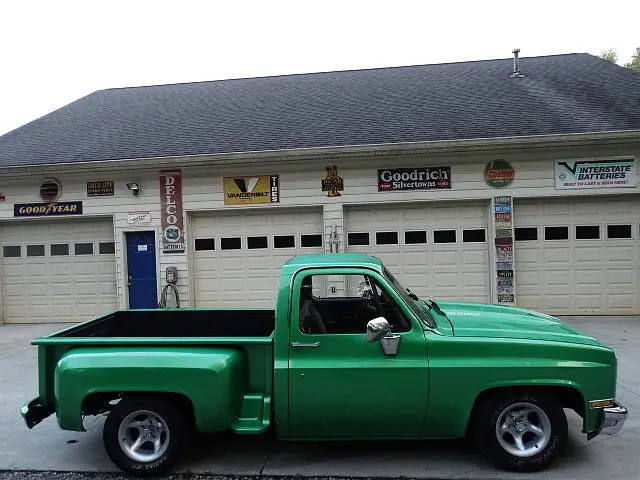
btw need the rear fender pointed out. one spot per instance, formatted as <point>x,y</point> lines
<point>213,379</point>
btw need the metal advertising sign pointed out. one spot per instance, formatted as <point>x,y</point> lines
<point>333,183</point>
<point>258,189</point>
<point>47,209</point>
<point>171,211</point>
<point>503,244</point>
<point>420,178</point>
<point>593,173</point>
<point>499,174</point>
<point>100,189</point>
<point>138,218</point>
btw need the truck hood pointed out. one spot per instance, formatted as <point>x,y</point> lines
<point>496,321</point>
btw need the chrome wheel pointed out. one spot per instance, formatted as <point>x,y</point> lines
<point>523,429</point>
<point>143,436</point>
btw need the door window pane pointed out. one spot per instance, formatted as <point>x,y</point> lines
<point>107,248</point>
<point>618,231</point>
<point>311,240</point>
<point>84,248</point>
<point>526,234</point>
<point>231,243</point>
<point>344,304</point>
<point>284,241</point>
<point>444,236</point>
<point>587,232</point>
<point>35,250</point>
<point>474,236</point>
<point>556,233</point>
<point>386,238</point>
<point>11,251</point>
<point>416,237</point>
<point>204,244</point>
<point>59,249</point>
<point>256,242</point>
<point>358,238</point>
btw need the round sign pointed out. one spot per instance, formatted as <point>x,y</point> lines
<point>499,174</point>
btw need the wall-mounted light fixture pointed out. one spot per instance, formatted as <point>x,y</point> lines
<point>134,187</point>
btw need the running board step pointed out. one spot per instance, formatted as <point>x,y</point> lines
<point>255,414</point>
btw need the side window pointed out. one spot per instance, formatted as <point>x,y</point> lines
<point>344,304</point>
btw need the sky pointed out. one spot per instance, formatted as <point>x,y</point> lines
<point>55,52</point>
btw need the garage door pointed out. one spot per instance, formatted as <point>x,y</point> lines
<point>238,255</point>
<point>436,250</point>
<point>578,256</point>
<point>57,271</point>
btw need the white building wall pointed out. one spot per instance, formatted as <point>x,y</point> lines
<point>300,185</point>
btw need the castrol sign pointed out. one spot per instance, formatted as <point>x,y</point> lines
<point>171,211</point>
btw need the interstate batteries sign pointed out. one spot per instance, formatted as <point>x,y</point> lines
<point>595,173</point>
<point>251,190</point>
<point>420,178</point>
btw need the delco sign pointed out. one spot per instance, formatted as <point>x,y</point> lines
<point>47,209</point>
<point>171,211</point>
<point>420,178</point>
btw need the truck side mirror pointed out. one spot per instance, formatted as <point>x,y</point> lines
<point>377,329</point>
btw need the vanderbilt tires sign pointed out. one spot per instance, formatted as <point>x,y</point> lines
<point>592,173</point>
<point>251,190</point>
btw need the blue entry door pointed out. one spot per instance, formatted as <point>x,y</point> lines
<point>141,270</point>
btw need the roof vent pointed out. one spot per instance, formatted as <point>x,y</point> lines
<point>516,64</point>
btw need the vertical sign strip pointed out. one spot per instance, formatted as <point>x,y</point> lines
<point>171,211</point>
<point>503,244</point>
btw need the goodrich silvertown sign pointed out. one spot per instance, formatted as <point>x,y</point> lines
<point>420,178</point>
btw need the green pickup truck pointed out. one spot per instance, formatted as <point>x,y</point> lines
<point>348,353</point>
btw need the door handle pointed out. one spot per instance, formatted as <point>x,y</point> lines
<point>305,345</point>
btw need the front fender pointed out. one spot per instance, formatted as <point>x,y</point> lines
<point>213,379</point>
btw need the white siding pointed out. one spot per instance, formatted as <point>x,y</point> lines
<point>300,181</point>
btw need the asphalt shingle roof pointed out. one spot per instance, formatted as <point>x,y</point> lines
<point>560,94</point>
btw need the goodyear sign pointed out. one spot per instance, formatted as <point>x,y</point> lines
<point>251,190</point>
<point>47,209</point>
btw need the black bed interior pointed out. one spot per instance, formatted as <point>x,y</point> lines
<point>179,323</point>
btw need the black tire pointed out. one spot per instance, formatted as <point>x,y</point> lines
<point>177,422</point>
<point>487,438</point>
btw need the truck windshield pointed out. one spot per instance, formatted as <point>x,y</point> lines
<point>415,306</point>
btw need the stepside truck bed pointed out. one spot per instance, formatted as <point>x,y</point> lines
<point>249,332</point>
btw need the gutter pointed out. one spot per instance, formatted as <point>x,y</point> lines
<point>347,151</point>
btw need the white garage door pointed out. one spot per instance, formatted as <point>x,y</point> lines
<point>436,250</point>
<point>238,255</point>
<point>57,271</point>
<point>578,256</point>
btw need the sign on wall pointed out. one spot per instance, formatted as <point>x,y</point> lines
<point>503,243</point>
<point>499,174</point>
<point>420,178</point>
<point>138,218</point>
<point>252,190</point>
<point>100,189</point>
<point>47,209</point>
<point>593,173</point>
<point>333,183</point>
<point>171,211</point>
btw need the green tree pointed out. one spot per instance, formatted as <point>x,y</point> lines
<point>610,55</point>
<point>634,64</point>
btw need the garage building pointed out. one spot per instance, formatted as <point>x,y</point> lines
<point>510,181</point>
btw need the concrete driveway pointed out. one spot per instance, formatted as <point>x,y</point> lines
<point>46,447</point>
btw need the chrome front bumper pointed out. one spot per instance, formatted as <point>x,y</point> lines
<point>613,419</point>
